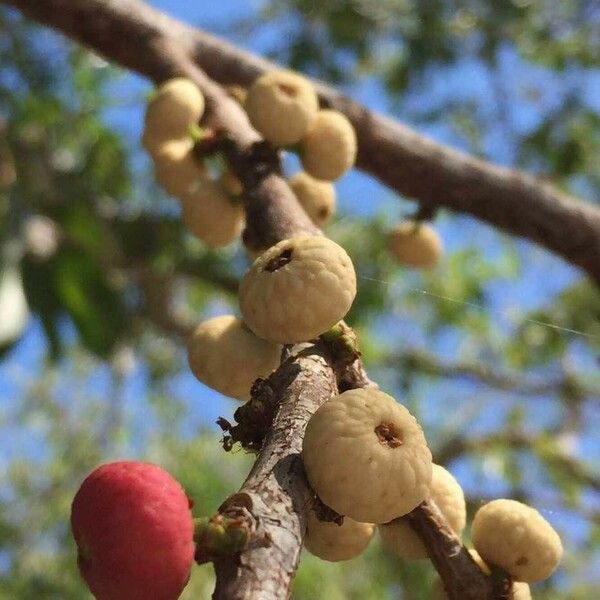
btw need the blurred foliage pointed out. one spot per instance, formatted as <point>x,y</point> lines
<point>103,274</point>
<point>423,34</point>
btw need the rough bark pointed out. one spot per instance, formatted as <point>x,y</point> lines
<point>277,494</point>
<point>275,497</point>
<point>460,567</point>
<point>144,40</point>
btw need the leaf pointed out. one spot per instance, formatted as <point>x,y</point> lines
<point>90,301</point>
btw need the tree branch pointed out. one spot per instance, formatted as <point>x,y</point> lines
<point>436,175</point>
<point>461,569</point>
<point>427,364</point>
<point>275,498</point>
<point>144,40</point>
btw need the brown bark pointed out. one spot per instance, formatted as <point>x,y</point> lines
<point>451,560</point>
<point>275,497</point>
<point>144,40</point>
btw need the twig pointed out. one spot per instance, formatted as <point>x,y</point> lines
<point>427,364</point>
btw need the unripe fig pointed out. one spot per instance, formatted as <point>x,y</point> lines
<point>333,542</point>
<point>366,456</point>
<point>316,197</point>
<point>415,244</point>
<point>210,215</point>
<point>176,169</point>
<point>329,146</point>
<point>281,106</point>
<point>175,106</point>
<point>515,537</point>
<point>297,289</point>
<point>226,356</point>
<point>521,591</point>
<point>447,494</point>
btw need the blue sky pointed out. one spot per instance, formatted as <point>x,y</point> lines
<point>542,274</point>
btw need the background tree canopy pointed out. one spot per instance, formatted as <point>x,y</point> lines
<point>496,351</point>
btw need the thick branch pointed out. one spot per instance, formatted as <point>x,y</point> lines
<point>275,497</point>
<point>144,40</point>
<point>463,579</point>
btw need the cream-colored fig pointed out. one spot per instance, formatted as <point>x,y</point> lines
<point>515,537</point>
<point>176,168</point>
<point>231,184</point>
<point>297,289</point>
<point>415,245</point>
<point>329,147</point>
<point>520,590</point>
<point>366,456</point>
<point>446,492</point>
<point>226,356</point>
<point>316,197</point>
<point>210,215</point>
<point>333,542</point>
<point>281,105</point>
<point>174,107</point>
